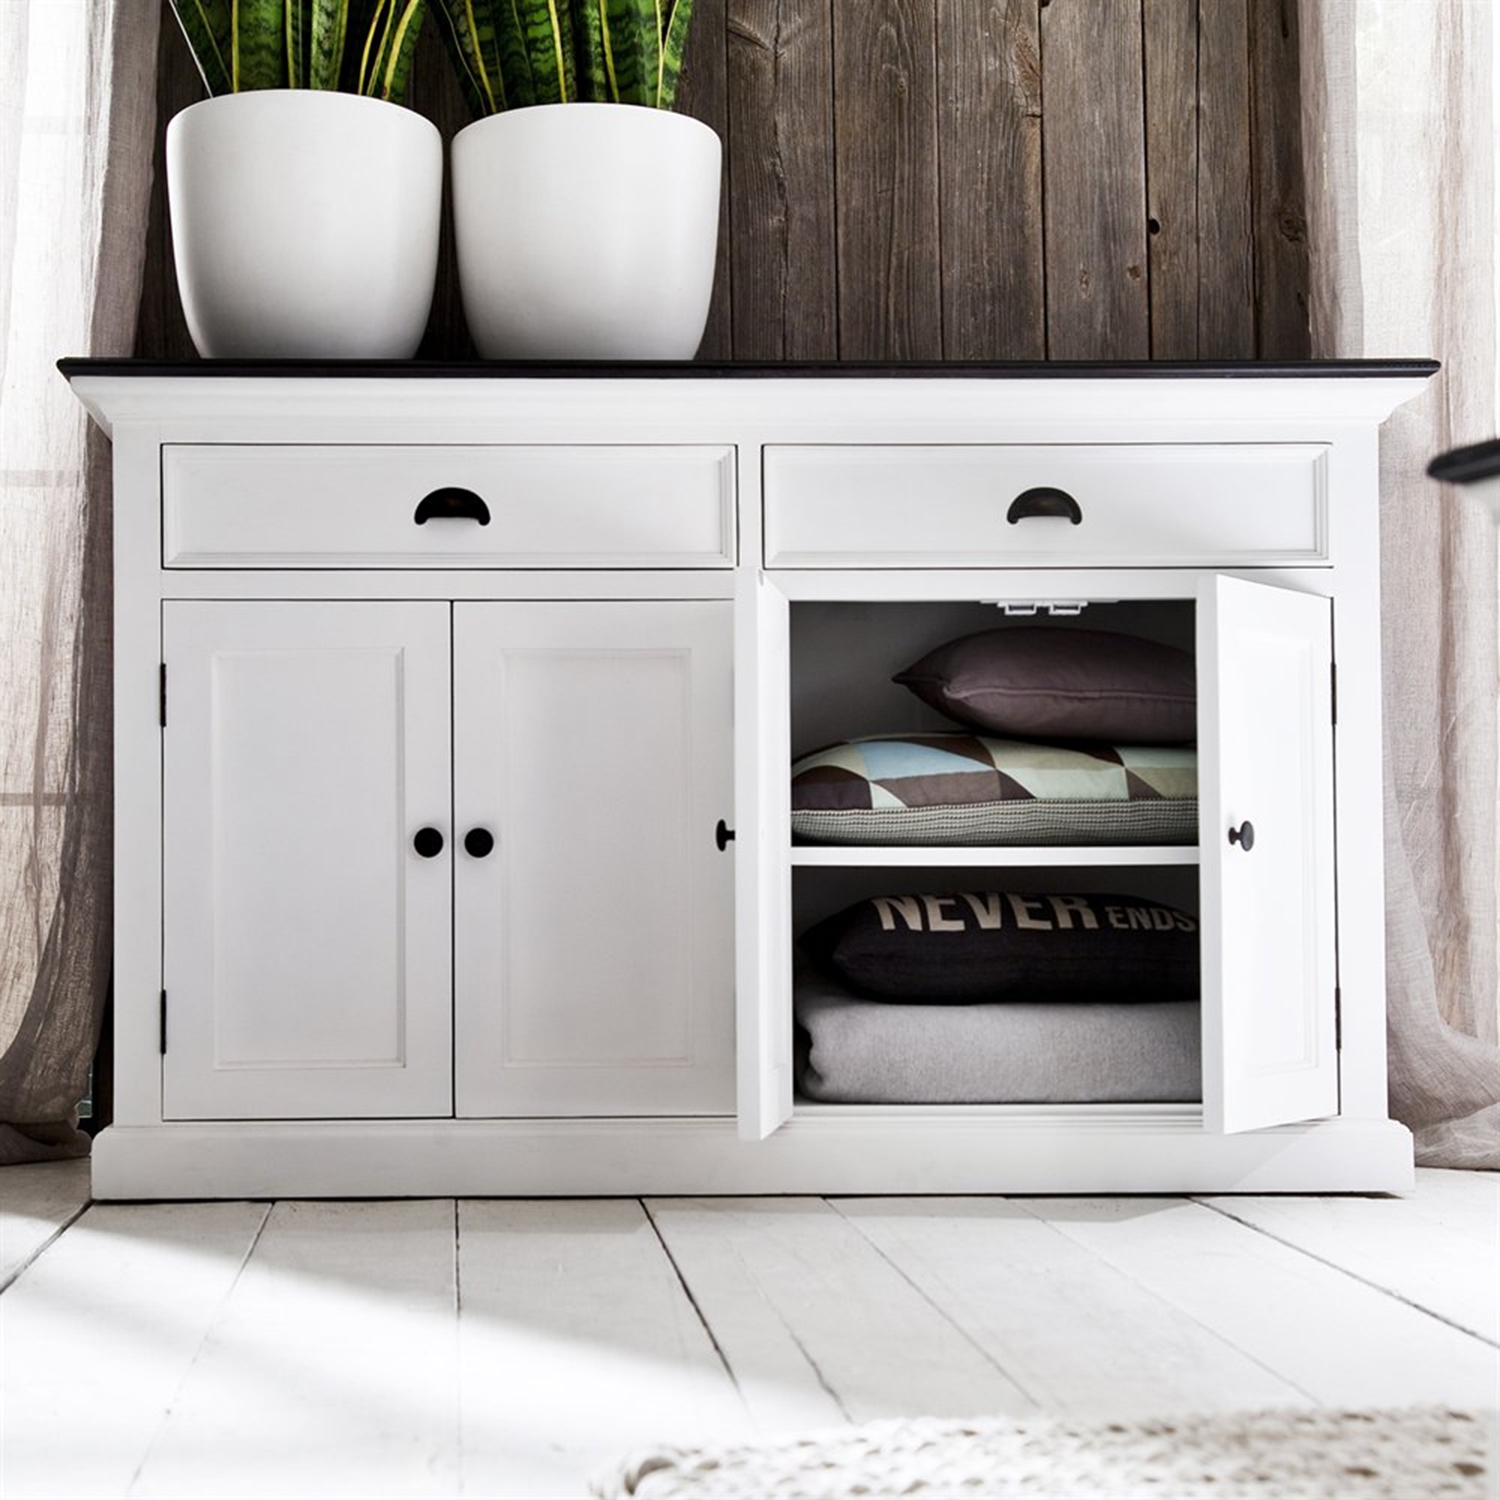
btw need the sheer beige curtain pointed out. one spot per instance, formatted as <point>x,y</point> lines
<point>77,118</point>
<point>1399,134</point>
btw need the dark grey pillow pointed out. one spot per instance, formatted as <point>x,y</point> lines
<point>1061,684</point>
<point>976,946</point>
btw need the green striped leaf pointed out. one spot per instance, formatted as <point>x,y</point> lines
<point>296,61</point>
<point>398,65</point>
<point>512,56</point>
<point>326,35</point>
<point>371,38</point>
<point>590,73</point>
<point>470,40</point>
<point>632,50</point>
<point>207,26</point>
<point>548,28</point>
<point>259,47</point>
<point>673,48</point>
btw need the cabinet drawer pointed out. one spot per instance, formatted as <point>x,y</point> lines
<point>1186,505</point>
<point>317,506</point>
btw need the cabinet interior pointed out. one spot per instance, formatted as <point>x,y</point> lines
<point>842,658</point>
<point>843,655</point>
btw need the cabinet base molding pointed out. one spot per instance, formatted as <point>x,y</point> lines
<point>866,1152</point>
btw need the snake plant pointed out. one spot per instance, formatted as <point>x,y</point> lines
<point>356,46</point>
<point>511,53</point>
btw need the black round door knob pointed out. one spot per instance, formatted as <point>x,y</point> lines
<point>478,842</point>
<point>428,842</point>
<point>723,835</point>
<point>1244,835</point>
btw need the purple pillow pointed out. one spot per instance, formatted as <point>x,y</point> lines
<point>1044,683</point>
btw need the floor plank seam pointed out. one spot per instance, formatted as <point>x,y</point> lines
<point>687,1292</point>
<point>46,1244</point>
<point>458,1344</point>
<point>813,1365</point>
<point>1333,1265</point>
<point>948,1318</point>
<point>1151,1291</point>
<point>208,1328</point>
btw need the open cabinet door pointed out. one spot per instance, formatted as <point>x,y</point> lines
<point>1265,758</point>
<point>763,876</point>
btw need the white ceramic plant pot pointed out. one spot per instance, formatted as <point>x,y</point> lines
<point>304,224</point>
<point>586,231</point>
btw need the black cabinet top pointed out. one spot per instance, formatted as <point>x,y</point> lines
<point>410,369</point>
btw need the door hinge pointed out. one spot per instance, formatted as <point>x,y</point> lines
<point>1338,1019</point>
<point>162,700</point>
<point>163,1032</point>
<point>1333,684</point>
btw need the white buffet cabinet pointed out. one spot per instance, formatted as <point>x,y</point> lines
<point>454,708</point>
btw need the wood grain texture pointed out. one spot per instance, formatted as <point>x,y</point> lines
<point>304,1382</point>
<point>214,1352</point>
<point>40,1201</point>
<point>886,163</point>
<point>1389,1243</point>
<point>1013,1283</point>
<point>989,79</point>
<point>703,94</point>
<point>784,252</point>
<point>577,1344</point>
<point>1095,184</point>
<point>959,179</point>
<point>108,1322</point>
<point>1169,35</point>
<point>1280,216</point>
<point>1338,1340</point>
<point>815,1324</point>
<point>1226,250</point>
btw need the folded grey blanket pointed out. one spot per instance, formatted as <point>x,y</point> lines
<point>874,1052</point>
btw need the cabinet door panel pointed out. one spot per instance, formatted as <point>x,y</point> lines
<point>307,946</point>
<point>1265,730</point>
<point>593,945</point>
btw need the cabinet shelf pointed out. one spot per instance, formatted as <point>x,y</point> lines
<point>1031,856</point>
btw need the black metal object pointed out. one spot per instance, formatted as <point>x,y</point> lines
<point>428,843</point>
<point>1044,500</point>
<point>723,835</point>
<point>1244,835</point>
<point>451,503</point>
<point>478,842</point>
<point>1479,461</point>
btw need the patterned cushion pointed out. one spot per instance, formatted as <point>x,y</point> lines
<point>975,789</point>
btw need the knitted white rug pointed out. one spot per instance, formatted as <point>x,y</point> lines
<point>1417,1454</point>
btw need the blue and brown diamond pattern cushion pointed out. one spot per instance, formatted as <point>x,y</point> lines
<point>975,789</point>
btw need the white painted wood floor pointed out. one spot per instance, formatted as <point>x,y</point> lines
<point>502,1348</point>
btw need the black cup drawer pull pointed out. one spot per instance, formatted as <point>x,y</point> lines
<point>451,504</point>
<point>1044,501</point>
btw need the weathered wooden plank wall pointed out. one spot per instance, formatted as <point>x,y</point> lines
<point>963,179</point>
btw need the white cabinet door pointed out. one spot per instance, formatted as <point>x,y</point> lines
<point>764,900</point>
<point>593,941</point>
<point>307,945</point>
<point>1265,739</point>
